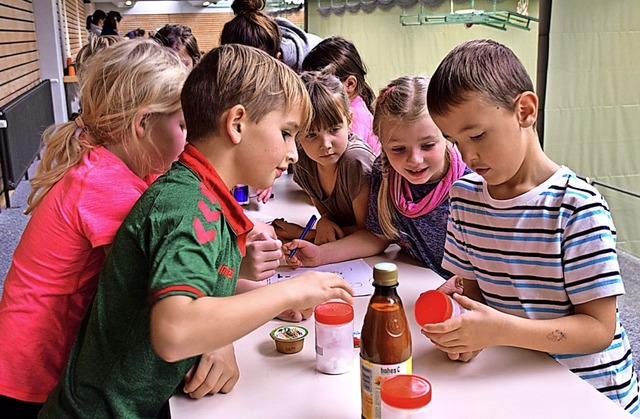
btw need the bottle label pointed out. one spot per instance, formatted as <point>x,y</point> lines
<point>371,376</point>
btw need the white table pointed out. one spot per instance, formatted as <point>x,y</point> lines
<point>501,382</point>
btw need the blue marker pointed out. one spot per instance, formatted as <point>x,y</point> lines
<point>310,224</point>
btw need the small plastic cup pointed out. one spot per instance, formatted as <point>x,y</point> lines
<point>434,306</point>
<point>289,339</point>
<point>334,337</point>
<point>405,397</point>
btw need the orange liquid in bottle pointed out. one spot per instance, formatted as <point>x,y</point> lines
<point>385,345</point>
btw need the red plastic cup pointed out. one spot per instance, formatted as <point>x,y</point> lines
<point>434,306</point>
<point>404,395</point>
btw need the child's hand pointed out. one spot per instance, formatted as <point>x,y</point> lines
<point>312,288</point>
<point>262,227</point>
<point>478,328</point>
<point>262,258</point>
<point>327,231</point>
<point>263,195</point>
<point>216,372</point>
<point>285,230</point>
<point>455,284</point>
<point>307,253</point>
<point>294,315</point>
<point>463,357</point>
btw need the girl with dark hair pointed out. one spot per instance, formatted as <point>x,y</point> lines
<point>180,39</point>
<point>253,27</point>
<point>112,23</point>
<point>95,22</point>
<point>339,56</point>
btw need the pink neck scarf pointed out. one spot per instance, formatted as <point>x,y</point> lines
<point>401,194</point>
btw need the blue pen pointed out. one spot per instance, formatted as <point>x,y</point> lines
<point>310,224</point>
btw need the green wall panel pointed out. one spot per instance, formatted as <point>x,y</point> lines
<point>390,50</point>
<point>593,102</point>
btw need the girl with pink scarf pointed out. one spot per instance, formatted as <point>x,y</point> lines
<point>411,179</point>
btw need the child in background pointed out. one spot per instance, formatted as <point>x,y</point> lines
<point>410,183</point>
<point>334,167</point>
<point>338,56</point>
<point>277,36</point>
<point>136,33</point>
<point>534,244</point>
<point>295,44</point>
<point>180,39</point>
<point>166,293</point>
<point>93,170</point>
<point>95,22</point>
<point>252,27</point>
<point>112,24</point>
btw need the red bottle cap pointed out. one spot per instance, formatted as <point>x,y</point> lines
<point>406,391</point>
<point>433,306</point>
<point>334,312</point>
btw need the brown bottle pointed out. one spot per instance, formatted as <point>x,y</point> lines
<point>385,341</point>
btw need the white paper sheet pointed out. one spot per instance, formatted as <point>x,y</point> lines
<point>356,272</point>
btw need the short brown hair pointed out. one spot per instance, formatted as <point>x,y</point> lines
<point>329,99</point>
<point>480,66</point>
<point>236,74</point>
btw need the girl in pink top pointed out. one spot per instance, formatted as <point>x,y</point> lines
<point>93,170</point>
<point>340,57</point>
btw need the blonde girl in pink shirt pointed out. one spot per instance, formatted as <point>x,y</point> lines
<point>339,56</point>
<point>93,170</point>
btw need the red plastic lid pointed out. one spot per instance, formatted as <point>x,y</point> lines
<point>334,312</point>
<point>406,391</point>
<point>433,306</point>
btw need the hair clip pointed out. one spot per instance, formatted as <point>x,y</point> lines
<point>386,94</point>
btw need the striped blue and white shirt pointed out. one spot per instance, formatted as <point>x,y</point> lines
<point>540,254</point>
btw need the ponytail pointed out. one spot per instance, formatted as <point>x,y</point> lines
<point>386,209</point>
<point>367,94</point>
<point>64,149</point>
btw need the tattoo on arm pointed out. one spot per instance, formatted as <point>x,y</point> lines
<point>556,336</point>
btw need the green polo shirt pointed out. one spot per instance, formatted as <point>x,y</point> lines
<point>185,236</point>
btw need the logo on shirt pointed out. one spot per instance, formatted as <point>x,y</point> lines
<point>226,271</point>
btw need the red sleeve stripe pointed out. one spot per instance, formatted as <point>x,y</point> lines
<point>176,288</point>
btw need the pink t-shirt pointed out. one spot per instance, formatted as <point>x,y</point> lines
<point>362,123</point>
<point>55,271</point>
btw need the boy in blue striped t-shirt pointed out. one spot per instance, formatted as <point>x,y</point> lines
<point>531,241</point>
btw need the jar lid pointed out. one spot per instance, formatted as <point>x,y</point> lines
<point>334,312</point>
<point>406,391</point>
<point>289,333</point>
<point>433,306</point>
<point>385,274</point>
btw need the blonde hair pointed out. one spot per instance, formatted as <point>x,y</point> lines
<point>329,100</point>
<point>402,100</point>
<point>89,50</point>
<point>129,77</point>
<point>235,74</point>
